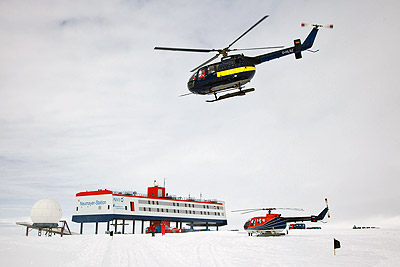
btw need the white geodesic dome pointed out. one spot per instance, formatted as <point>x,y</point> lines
<point>46,211</point>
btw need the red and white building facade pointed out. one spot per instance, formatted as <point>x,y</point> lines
<point>106,206</point>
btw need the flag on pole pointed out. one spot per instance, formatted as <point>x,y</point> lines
<point>336,244</point>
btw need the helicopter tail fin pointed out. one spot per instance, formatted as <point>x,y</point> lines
<point>320,216</point>
<point>309,41</point>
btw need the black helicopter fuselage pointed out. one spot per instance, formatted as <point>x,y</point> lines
<point>234,71</point>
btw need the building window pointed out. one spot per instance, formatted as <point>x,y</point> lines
<point>108,206</point>
<point>76,208</point>
<point>132,206</point>
<point>99,207</point>
<point>126,207</point>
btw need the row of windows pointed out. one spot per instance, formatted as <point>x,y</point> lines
<point>177,204</point>
<point>168,210</point>
<point>256,220</point>
<point>228,63</point>
<point>182,211</point>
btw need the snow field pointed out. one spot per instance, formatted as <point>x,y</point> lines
<point>224,248</point>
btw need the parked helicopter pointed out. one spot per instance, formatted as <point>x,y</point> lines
<point>274,224</point>
<point>234,71</point>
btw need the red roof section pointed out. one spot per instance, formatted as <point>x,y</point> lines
<point>94,193</point>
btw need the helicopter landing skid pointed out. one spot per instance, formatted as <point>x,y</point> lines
<point>238,93</point>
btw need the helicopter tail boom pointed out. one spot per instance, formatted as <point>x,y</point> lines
<point>296,49</point>
<point>312,218</point>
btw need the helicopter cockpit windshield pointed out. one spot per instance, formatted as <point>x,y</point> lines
<point>199,75</point>
<point>191,80</point>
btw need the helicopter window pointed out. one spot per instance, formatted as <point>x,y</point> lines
<point>252,222</point>
<point>201,74</point>
<point>211,69</point>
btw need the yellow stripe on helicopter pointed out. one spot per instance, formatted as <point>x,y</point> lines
<point>235,70</point>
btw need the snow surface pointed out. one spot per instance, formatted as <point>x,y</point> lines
<point>224,248</point>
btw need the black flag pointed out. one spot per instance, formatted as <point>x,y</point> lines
<point>336,244</point>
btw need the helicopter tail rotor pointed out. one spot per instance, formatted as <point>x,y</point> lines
<point>326,202</point>
<point>330,26</point>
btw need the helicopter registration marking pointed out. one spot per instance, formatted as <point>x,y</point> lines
<point>234,71</point>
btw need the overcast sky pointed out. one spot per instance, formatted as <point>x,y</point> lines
<point>86,103</point>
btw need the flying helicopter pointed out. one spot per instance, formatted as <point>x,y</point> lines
<point>275,224</point>
<point>234,71</point>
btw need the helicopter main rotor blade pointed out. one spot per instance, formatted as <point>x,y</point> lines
<point>185,49</point>
<point>296,209</point>
<point>252,27</point>
<point>205,63</point>
<point>257,48</point>
<point>245,211</point>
